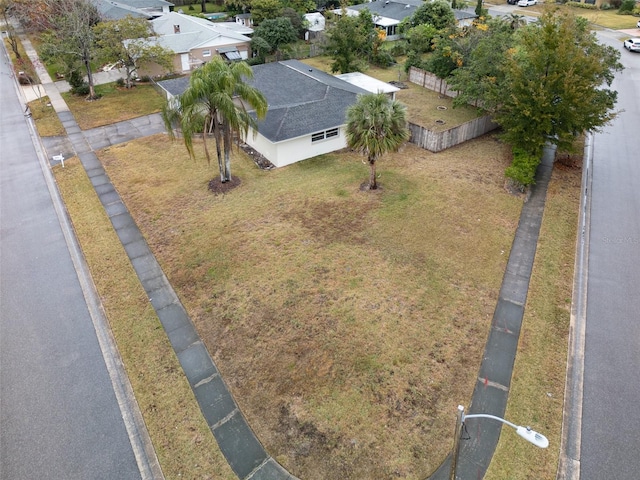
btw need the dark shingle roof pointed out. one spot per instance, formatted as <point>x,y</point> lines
<point>301,99</point>
<point>397,10</point>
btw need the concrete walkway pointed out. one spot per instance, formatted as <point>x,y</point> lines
<point>243,451</point>
<point>491,392</point>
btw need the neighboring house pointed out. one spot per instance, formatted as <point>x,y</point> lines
<point>464,18</point>
<point>315,23</point>
<point>388,14</point>
<point>119,9</point>
<point>245,20</point>
<point>196,41</point>
<point>307,109</point>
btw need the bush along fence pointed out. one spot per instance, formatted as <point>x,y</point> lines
<point>438,141</point>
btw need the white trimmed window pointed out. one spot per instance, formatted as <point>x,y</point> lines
<point>206,53</point>
<point>332,132</point>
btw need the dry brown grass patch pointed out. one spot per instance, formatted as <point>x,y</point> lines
<point>180,435</point>
<point>348,324</point>
<point>424,106</point>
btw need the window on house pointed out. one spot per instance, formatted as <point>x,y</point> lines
<point>332,132</point>
<point>206,53</point>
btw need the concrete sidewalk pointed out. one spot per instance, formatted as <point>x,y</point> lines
<point>491,393</point>
<point>240,446</point>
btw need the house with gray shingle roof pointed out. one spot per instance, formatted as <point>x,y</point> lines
<point>388,14</point>
<point>119,9</point>
<point>306,113</point>
<point>196,41</point>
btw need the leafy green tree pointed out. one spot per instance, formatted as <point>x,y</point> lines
<point>209,106</point>
<point>275,32</point>
<point>480,77</point>
<point>260,47</point>
<point>555,83</point>
<point>72,36</point>
<point>300,6</point>
<point>128,41</point>
<point>544,82</point>
<point>262,10</point>
<point>350,42</point>
<point>296,18</point>
<point>376,125</point>
<point>437,13</point>
<point>420,37</point>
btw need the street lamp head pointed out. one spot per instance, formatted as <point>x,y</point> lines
<point>532,436</point>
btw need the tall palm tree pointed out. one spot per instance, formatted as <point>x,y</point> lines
<point>215,103</point>
<point>376,125</point>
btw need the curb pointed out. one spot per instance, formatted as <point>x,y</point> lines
<point>569,464</point>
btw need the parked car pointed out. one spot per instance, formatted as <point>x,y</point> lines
<point>632,44</point>
<point>638,24</point>
<point>527,3</point>
<point>513,2</point>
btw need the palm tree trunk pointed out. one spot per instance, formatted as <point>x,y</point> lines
<point>227,152</point>
<point>216,134</point>
<point>372,174</point>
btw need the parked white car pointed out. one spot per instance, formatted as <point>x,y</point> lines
<point>527,3</point>
<point>638,24</point>
<point>632,44</point>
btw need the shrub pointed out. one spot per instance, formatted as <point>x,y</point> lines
<point>588,6</point>
<point>627,7</point>
<point>382,59</point>
<point>523,167</point>
<point>81,90</point>
<point>120,82</point>
<point>414,59</point>
<point>398,49</point>
<point>255,61</point>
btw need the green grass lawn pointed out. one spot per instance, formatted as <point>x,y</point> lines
<point>598,18</point>
<point>115,105</point>
<point>46,118</point>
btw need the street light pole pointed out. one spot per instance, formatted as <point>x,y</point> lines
<point>529,435</point>
<point>456,442</point>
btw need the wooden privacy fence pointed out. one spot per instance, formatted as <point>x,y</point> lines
<point>432,82</point>
<point>438,141</point>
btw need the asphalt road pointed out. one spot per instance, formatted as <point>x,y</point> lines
<point>59,415</point>
<point>610,434</point>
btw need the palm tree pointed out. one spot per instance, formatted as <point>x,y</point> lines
<point>215,103</point>
<point>376,125</point>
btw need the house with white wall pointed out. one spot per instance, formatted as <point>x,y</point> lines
<point>306,113</point>
<point>196,41</point>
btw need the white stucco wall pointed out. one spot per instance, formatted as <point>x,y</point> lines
<point>296,149</point>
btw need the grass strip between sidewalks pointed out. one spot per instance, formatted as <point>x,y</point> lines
<point>538,381</point>
<point>183,442</point>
